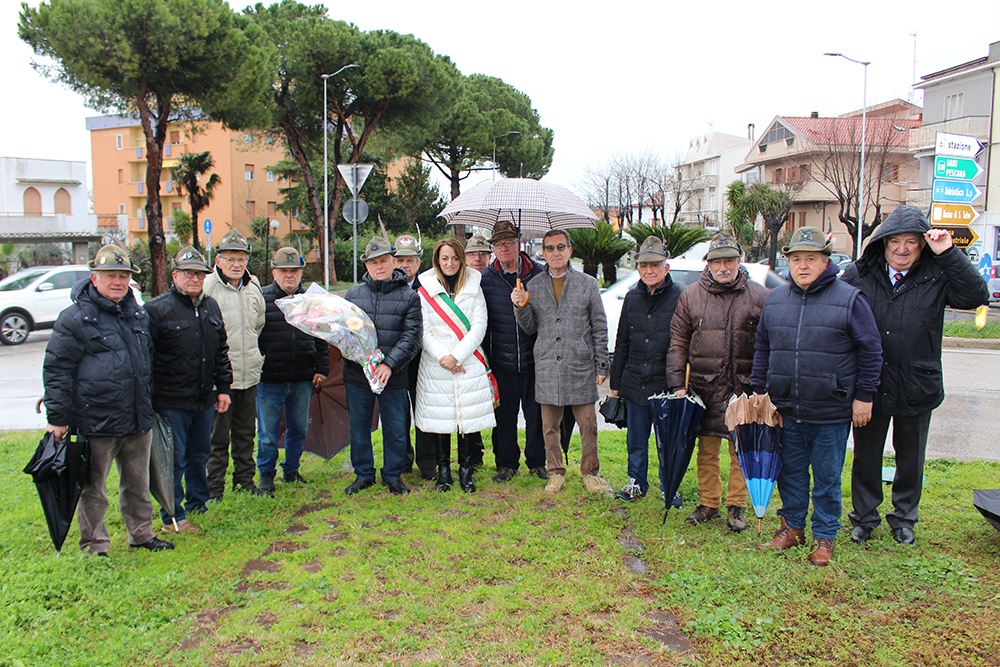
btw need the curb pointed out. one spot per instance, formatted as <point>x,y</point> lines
<point>971,343</point>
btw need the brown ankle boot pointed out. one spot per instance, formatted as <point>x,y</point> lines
<point>822,553</point>
<point>785,537</point>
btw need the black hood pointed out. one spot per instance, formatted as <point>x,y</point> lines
<point>904,220</point>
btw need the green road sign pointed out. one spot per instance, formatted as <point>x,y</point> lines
<point>958,168</point>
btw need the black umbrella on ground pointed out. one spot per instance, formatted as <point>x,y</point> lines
<point>676,420</point>
<point>161,466</point>
<point>988,504</point>
<point>60,470</point>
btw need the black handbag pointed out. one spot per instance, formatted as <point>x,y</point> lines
<point>613,410</point>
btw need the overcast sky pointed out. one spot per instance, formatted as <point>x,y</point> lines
<point>612,77</point>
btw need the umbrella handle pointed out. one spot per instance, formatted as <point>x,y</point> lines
<point>526,295</point>
<point>687,376</point>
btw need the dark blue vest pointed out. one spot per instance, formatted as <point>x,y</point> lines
<point>813,362</point>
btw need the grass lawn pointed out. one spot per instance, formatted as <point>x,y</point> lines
<point>967,329</point>
<point>506,576</point>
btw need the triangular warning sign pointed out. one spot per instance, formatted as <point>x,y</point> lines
<point>355,175</point>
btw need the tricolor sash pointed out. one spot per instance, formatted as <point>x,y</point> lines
<point>456,320</point>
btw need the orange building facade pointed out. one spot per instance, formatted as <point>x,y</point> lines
<point>249,189</point>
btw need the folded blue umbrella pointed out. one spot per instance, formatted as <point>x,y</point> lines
<point>755,429</point>
<point>676,421</point>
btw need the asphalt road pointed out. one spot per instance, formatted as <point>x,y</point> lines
<point>965,427</point>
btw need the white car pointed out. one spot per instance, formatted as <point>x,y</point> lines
<point>32,299</point>
<point>684,272</point>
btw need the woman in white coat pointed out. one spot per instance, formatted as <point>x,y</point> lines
<point>454,392</point>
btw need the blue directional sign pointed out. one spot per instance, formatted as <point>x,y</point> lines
<point>954,192</point>
<point>986,267</point>
<point>208,226</point>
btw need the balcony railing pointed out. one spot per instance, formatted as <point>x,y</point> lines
<point>926,135</point>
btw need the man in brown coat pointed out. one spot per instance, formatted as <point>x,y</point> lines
<point>713,330</point>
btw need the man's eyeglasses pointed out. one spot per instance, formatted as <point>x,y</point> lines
<point>233,260</point>
<point>561,247</point>
<point>503,245</point>
<point>193,274</point>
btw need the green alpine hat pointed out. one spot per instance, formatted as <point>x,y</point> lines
<point>503,230</point>
<point>407,246</point>
<point>723,245</point>
<point>652,250</point>
<point>809,239</point>
<point>233,240</point>
<point>190,259</point>
<point>377,247</point>
<point>112,258</point>
<point>287,258</point>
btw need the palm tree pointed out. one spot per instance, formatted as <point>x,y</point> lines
<point>187,175</point>
<point>677,237</point>
<point>599,247</point>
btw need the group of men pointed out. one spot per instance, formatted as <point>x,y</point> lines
<point>212,357</point>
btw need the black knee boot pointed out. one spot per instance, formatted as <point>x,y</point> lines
<point>442,447</point>
<point>465,464</point>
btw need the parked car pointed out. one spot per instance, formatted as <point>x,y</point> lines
<point>840,259</point>
<point>994,286</point>
<point>684,272</point>
<point>32,299</point>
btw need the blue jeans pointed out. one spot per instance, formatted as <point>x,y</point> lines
<point>192,432</point>
<point>639,422</point>
<point>392,409</point>
<point>294,397</point>
<point>822,447</point>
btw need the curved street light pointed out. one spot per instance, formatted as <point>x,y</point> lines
<point>861,172</point>
<point>326,183</point>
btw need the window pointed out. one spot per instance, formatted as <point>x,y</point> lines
<point>32,202</point>
<point>270,177</point>
<point>804,172</point>
<point>272,210</point>
<point>251,209</point>
<point>121,209</point>
<point>142,223</point>
<point>248,172</point>
<point>762,148</point>
<point>121,175</point>
<point>140,213</point>
<point>175,137</point>
<point>118,141</point>
<point>789,142</point>
<point>63,202</point>
<point>166,150</point>
<point>954,106</point>
<point>778,176</point>
<point>247,138</point>
<point>890,173</point>
<point>63,280</point>
<point>777,133</point>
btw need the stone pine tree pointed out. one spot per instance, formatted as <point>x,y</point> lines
<point>161,60</point>
<point>187,174</point>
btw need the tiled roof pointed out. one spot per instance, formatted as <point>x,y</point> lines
<point>847,131</point>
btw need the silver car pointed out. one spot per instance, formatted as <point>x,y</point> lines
<point>32,299</point>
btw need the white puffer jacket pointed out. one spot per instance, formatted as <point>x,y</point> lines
<point>453,402</point>
<point>243,314</point>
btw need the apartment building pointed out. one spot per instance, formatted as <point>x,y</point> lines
<point>249,189</point>
<point>707,169</point>
<point>808,155</point>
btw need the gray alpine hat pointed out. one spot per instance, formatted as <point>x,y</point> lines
<point>477,243</point>
<point>723,246</point>
<point>407,246</point>
<point>809,239</point>
<point>287,258</point>
<point>377,247</point>
<point>233,240</point>
<point>112,258</point>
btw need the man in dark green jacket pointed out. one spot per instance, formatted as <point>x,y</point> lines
<point>909,273</point>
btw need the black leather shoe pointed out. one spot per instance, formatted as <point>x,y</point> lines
<point>294,477</point>
<point>540,472</point>
<point>428,473</point>
<point>861,534</point>
<point>397,487</point>
<point>444,478</point>
<point>267,481</point>
<point>465,479</point>
<point>252,489</point>
<point>153,545</point>
<point>904,535</point>
<point>357,485</point>
<point>504,474</point>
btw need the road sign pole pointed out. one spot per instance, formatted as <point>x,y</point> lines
<point>355,225</point>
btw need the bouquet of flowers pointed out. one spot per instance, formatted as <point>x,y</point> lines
<point>340,323</point>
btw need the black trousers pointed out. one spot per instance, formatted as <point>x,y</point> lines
<point>909,439</point>
<point>421,449</point>
<point>517,391</point>
<point>233,430</point>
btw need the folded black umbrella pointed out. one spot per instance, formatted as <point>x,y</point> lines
<point>676,420</point>
<point>161,466</point>
<point>988,504</point>
<point>60,470</point>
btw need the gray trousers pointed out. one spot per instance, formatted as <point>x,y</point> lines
<point>131,455</point>
<point>235,427</point>
<point>909,439</point>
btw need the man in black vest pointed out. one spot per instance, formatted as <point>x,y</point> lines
<point>818,355</point>
<point>908,289</point>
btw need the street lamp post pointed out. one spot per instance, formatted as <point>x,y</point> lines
<point>272,228</point>
<point>326,183</point>
<point>495,150</point>
<point>861,172</point>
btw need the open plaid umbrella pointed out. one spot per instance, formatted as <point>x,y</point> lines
<point>533,207</point>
